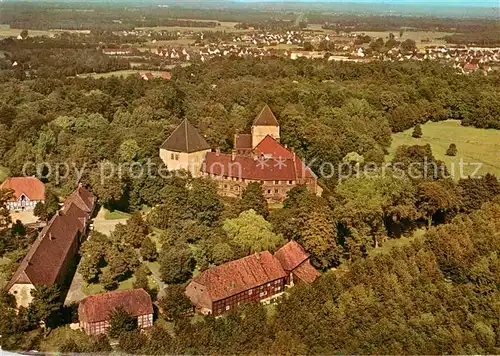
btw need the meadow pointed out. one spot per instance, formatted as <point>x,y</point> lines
<point>474,146</point>
<point>121,73</point>
<point>4,173</point>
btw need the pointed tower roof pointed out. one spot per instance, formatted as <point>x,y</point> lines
<point>266,118</point>
<point>185,138</point>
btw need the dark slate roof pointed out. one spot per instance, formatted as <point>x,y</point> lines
<point>266,118</point>
<point>185,138</point>
<point>243,141</point>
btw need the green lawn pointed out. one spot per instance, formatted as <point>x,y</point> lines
<point>474,145</point>
<point>115,215</point>
<point>96,288</point>
<point>4,173</point>
<point>402,241</point>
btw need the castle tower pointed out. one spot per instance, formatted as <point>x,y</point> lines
<point>265,124</point>
<point>184,149</point>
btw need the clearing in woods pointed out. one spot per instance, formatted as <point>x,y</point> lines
<point>474,146</point>
<point>4,173</point>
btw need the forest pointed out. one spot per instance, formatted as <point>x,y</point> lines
<point>436,294</point>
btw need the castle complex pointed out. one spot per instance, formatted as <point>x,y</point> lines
<point>256,157</point>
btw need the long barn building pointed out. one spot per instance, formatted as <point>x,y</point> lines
<point>258,277</point>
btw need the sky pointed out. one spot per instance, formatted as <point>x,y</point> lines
<point>467,3</point>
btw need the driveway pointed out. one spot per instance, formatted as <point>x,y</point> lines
<point>75,293</point>
<point>106,226</point>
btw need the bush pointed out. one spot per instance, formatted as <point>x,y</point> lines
<point>417,131</point>
<point>452,150</point>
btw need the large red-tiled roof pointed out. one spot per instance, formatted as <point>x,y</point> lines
<point>291,255</point>
<point>44,261</point>
<point>266,118</point>
<point>306,273</point>
<point>82,198</point>
<point>238,276</point>
<point>274,163</point>
<point>99,307</point>
<point>31,187</point>
<point>269,146</point>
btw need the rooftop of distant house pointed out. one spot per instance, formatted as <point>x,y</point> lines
<point>31,187</point>
<point>98,307</point>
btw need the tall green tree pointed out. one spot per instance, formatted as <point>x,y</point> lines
<point>251,231</point>
<point>174,303</point>
<point>46,303</point>
<point>120,322</point>
<point>176,263</point>
<point>252,198</point>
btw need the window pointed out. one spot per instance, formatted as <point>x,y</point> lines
<point>250,292</point>
<point>171,156</point>
<point>290,182</point>
<point>225,186</point>
<point>176,156</point>
<point>276,182</point>
<point>269,191</point>
<point>228,307</point>
<point>269,284</point>
<point>276,191</point>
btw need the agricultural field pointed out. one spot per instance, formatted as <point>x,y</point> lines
<point>121,73</point>
<point>6,31</point>
<point>224,26</point>
<point>432,38</point>
<point>474,146</point>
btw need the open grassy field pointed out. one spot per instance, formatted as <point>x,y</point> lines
<point>96,288</point>
<point>126,73</point>
<point>473,146</point>
<point>115,214</point>
<point>224,26</point>
<point>434,37</point>
<point>6,31</point>
<point>4,173</point>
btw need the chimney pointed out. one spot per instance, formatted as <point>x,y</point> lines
<point>51,237</point>
<point>217,151</point>
<point>286,146</point>
<point>233,155</point>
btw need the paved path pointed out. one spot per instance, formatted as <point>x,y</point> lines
<point>75,293</point>
<point>106,226</point>
<point>161,285</point>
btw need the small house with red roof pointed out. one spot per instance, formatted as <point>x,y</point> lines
<point>147,76</point>
<point>295,261</point>
<point>53,253</point>
<point>94,312</point>
<point>27,192</point>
